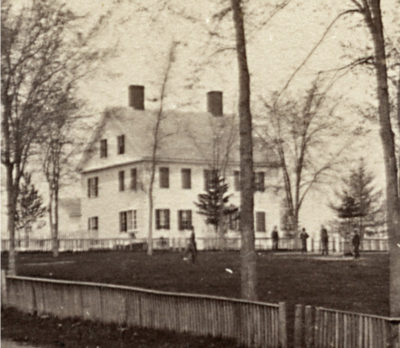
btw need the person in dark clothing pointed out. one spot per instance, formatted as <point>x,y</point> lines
<point>324,240</point>
<point>303,237</point>
<point>191,249</point>
<point>275,238</point>
<point>356,244</point>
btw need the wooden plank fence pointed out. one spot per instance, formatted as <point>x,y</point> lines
<point>253,324</point>
<point>85,244</point>
<point>322,327</point>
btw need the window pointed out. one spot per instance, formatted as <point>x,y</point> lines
<point>209,176</point>
<point>133,179</point>
<point>162,219</point>
<point>127,221</point>
<point>164,177</point>
<point>184,219</point>
<point>93,223</point>
<point>260,221</point>
<point>233,221</point>
<point>121,144</point>
<point>93,187</point>
<point>121,180</point>
<point>103,148</point>
<point>260,181</point>
<point>186,179</point>
<point>236,180</point>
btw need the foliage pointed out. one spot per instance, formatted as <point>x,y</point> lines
<point>29,204</point>
<point>44,53</point>
<point>360,202</point>
<point>214,203</point>
<point>299,131</point>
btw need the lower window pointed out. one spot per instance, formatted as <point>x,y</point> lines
<point>184,219</point>
<point>127,221</point>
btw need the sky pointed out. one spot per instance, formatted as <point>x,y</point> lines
<point>144,38</point>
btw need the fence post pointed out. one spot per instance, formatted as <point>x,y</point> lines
<point>309,327</point>
<point>298,325</point>
<point>3,288</point>
<point>283,342</point>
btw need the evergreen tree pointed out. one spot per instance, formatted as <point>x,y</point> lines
<point>29,205</point>
<point>213,204</point>
<point>361,202</point>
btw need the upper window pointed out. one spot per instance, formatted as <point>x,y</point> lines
<point>121,180</point>
<point>162,219</point>
<point>209,176</point>
<point>93,223</point>
<point>121,144</point>
<point>260,181</point>
<point>103,148</point>
<point>133,179</point>
<point>186,179</point>
<point>236,180</point>
<point>127,221</point>
<point>184,219</point>
<point>93,187</point>
<point>260,221</point>
<point>164,177</point>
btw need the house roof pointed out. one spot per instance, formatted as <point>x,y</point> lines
<point>183,137</point>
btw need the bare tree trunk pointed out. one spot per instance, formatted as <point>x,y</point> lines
<point>51,221</point>
<point>150,222</point>
<point>55,230</point>
<point>11,208</point>
<point>373,17</point>
<point>248,255</point>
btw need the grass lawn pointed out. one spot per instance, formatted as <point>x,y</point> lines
<point>357,285</point>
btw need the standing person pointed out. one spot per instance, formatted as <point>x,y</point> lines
<point>324,240</point>
<point>356,244</point>
<point>275,238</point>
<point>303,237</point>
<point>192,246</point>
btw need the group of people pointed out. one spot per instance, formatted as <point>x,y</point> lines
<point>324,238</point>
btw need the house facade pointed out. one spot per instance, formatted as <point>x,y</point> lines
<point>116,172</point>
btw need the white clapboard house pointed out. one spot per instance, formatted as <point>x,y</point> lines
<point>116,171</point>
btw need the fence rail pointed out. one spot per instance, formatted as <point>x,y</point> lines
<point>85,244</point>
<point>323,327</point>
<point>253,324</point>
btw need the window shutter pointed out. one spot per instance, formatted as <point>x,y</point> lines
<point>189,223</point>
<point>96,188</point>
<point>236,179</point>
<point>88,187</point>
<point>180,220</point>
<point>120,221</point>
<point>206,176</point>
<point>158,219</point>
<point>121,177</point>
<point>167,219</point>
<point>133,178</point>
<point>96,221</point>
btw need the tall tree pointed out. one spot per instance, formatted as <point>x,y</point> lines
<point>157,137</point>
<point>43,53</point>
<point>299,131</point>
<point>372,17</point>
<point>247,253</point>
<point>60,143</point>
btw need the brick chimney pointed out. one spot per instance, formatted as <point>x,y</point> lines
<point>136,97</point>
<point>214,103</point>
